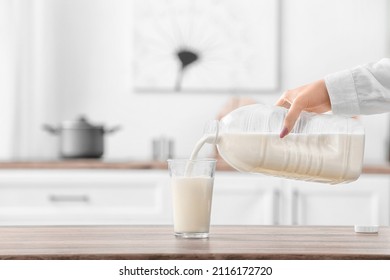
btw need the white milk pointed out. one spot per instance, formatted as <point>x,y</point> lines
<point>192,197</point>
<point>208,138</point>
<point>331,158</point>
<point>205,139</point>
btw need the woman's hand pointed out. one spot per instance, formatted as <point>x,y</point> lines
<point>313,97</point>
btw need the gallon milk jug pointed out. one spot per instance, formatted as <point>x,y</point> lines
<point>321,147</point>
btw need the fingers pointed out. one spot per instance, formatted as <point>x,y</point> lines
<point>282,102</point>
<point>312,97</point>
<point>287,100</point>
<point>291,117</point>
<point>284,132</point>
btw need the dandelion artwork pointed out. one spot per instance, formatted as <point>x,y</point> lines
<point>206,45</point>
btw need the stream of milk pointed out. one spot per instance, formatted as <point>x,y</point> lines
<point>194,155</point>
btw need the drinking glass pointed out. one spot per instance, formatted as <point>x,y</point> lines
<point>192,191</point>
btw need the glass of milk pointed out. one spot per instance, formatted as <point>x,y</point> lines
<point>192,192</point>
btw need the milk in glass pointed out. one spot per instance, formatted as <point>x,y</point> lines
<point>192,197</point>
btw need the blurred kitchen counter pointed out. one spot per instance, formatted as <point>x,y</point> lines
<point>83,164</point>
<point>380,168</point>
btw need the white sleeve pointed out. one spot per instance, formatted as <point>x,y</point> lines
<point>363,90</point>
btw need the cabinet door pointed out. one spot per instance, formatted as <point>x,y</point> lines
<point>245,199</point>
<point>63,197</point>
<point>363,202</point>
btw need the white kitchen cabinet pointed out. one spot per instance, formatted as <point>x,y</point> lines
<point>245,199</point>
<point>61,197</point>
<point>78,197</point>
<point>256,199</point>
<point>363,202</point>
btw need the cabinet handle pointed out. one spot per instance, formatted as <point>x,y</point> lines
<point>68,198</point>
<point>276,202</point>
<point>295,197</point>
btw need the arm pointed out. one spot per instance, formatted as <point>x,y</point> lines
<point>361,90</point>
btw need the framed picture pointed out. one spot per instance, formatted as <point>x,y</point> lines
<point>206,45</point>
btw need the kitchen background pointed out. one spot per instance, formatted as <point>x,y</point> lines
<point>63,58</point>
<point>60,59</point>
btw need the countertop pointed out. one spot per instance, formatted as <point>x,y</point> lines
<point>379,168</point>
<point>225,242</point>
<point>83,164</point>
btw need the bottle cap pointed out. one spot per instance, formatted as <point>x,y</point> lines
<point>366,229</point>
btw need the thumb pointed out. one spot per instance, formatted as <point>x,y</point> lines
<point>291,118</point>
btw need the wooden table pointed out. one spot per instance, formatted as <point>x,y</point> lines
<point>225,242</point>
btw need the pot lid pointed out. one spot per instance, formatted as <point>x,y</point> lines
<point>80,123</point>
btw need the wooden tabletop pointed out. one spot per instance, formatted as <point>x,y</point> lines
<point>225,242</point>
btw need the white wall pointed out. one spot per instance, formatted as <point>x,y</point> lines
<point>7,83</point>
<point>85,67</point>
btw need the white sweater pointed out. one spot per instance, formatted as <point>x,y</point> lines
<point>362,90</point>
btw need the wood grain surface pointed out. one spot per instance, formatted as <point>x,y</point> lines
<point>225,242</point>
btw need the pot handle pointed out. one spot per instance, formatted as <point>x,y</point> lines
<point>112,129</point>
<point>51,129</point>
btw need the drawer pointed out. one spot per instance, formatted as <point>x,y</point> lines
<point>85,198</point>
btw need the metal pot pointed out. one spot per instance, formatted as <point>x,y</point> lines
<point>79,138</point>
